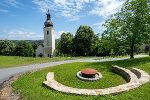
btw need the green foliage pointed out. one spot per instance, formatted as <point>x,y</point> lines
<point>20,61</point>
<point>35,46</point>
<point>29,86</point>
<point>131,25</point>
<point>111,46</point>
<point>84,41</point>
<point>24,49</point>
<point>7,47</point>
<point>104,47</point>
<point>65,44</point>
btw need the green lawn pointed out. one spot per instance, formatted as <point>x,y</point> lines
<point>11,61</point>
<point>107,57</point>
<point>30,85</point>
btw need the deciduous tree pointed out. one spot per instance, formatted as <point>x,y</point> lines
<point>84,41</point>
<point>65,44</point>
<point>131,24</point>
<point>23,48</point>
<point>7,48</point>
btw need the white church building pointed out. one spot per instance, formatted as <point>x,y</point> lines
<point>47,49</point>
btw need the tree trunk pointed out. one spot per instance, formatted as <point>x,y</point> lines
<point>149,50</point>
<point>132,51</point>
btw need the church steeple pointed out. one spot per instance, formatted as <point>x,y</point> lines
<point>48,15</point>
<point>48,22</point>
<point>47,49</point>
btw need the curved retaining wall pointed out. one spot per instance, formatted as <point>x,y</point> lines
<point>135,77</point>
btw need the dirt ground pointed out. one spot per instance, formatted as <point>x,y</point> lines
<point>6,93</point>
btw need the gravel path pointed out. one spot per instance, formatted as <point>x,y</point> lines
<point>7,73</point>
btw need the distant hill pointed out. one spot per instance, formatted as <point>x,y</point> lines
<point>32,41</point>
<point>29,41</point>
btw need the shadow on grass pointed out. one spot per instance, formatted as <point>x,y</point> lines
<point>128,63</point>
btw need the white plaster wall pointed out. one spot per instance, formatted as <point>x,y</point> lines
<point>39,50</point>
<point>53,41</point>
<point>49,41</point>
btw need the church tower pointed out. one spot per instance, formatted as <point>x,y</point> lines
<point>49,37</point>
<point>47,49</point>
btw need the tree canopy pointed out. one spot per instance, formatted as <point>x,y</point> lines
<point>7,48</point>
<point>131,24</point>
<point>24,49</point>
<point>65,44</point>
<point>84,41</point>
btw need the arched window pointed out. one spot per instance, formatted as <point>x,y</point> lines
<point>40,55</point>
<point>47,32</point>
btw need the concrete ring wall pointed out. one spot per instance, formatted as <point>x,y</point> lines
<point>89,79</point>
<point>135,78</point>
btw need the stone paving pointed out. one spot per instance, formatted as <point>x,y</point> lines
<point>136,78</point>
<point>7,73</point>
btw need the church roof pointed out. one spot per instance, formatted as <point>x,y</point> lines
<point>48,21</point>
<point>42,44</point>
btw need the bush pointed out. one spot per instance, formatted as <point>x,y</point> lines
<point>7,48</point>
<point>24,49</point>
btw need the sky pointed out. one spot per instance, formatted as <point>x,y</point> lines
<point>24,19</point>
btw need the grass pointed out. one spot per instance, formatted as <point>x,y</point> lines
<point>11,61</point>
<point>107,57</point>
<point>30,85</point>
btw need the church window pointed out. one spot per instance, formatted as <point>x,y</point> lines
<point>47,32</point>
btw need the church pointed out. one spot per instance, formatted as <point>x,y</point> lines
<point>47,49</point>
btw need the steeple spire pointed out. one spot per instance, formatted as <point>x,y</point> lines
<point>48,15</point>
<point>48,21</point>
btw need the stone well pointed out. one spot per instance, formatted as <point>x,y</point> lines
<point>89,74</point>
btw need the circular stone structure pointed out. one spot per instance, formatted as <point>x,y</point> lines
<point>89,74</point>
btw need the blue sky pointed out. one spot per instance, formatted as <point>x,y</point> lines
<point>24,19</point>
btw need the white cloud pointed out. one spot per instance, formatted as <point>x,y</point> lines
<point>99,26</point>
<point>106,8</point>
<point>58,34</point>
<point>20,35</point>
<point>72,9</point>
<point>69,9</point>
<point>4,10</point>
<point>10,3</point>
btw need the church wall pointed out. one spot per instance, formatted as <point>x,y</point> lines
<point>39,50</point>
<point>49,41</point>
<point>53,42</point>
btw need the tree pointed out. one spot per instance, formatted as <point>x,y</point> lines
<point>7,48</point>
<point>35,45</point>
<point>65,44</point>
<point>24,49</point>
<point>95,43</point>
<point>131,24</point>
<point>113,45</point>
<point>104,47</point>
<point>149,50</point>
<point>84,41</point>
